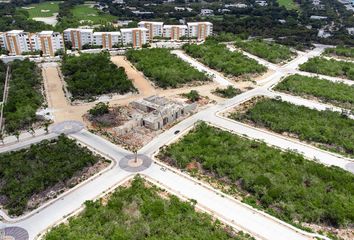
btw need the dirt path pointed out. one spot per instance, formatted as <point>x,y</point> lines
<point>140,82</point>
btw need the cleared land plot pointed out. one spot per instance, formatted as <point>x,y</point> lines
<point>88,13</point>
<point>271,52</point>
<point>281,183</point>
<point>164,68</point>
<point>2,78</point>
<point>27,173</point>
<point>44,9</point>
<point>218,57</point>
<point>325,129</point>
<point>90,75</point>
<point>288,4</point>
<point>24,97</point>
<point>142,211</point>
<point>338,94</point>
<point>340,51</point>
<point>329,67</point>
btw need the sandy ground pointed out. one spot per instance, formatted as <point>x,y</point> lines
<point>48,20</point>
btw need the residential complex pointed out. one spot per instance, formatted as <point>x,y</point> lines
<point>17,42</point>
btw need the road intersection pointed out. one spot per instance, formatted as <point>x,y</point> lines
<point>227,209</point>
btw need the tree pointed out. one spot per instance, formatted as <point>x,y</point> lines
<point>192,96</point>
<point>99,109</point>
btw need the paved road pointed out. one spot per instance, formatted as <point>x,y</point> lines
<point>229,210</point>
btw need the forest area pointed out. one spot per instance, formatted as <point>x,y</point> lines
<point>338,94</point>
<point>91,75</point>
<point>30,171</point>
<point>218,57</point>
<point>282,183</point>
<point>142,211</point>
<point>329,67</point>
<point>272,52</point>
<point>163,68</point>
<point>24,97</point>
<point>327,129</point>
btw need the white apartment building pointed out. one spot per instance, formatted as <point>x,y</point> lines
<point>15,41</point>
<point>155,28</point>
<point>135,36</point>
<point>199,30</point>
<point>78,37</point>
<point>47,41</point>
<point>107,39</point>
<point>175,32</point>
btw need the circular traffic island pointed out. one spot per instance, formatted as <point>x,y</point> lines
<point>14,233</point>
<point>135,163</point>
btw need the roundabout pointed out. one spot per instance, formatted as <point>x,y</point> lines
<point>13,233</point>
<point>132,163</point>
<point>67,127</point>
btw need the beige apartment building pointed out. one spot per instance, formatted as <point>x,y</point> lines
<point>78,37</point>
<point>200,30</point>
<point>155,29</point>
<point>107,39</point>
<point>136,37</point>
<point>175,32</point>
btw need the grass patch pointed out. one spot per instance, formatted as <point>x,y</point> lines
<point>340,51</point>
<point>272,52</point>
<point>329,67</point>
<point>24,97</point>
<point>139,212</point>
<point>44,9</point>
<point>218,57</point>
<point>30,171</point>
<point>88,13</point>
<point>288,4</point>
<point>327,129</point>
<point>339,94</point>
<point>163,68</point>
<point>283,184</point>
<point>90,75</point>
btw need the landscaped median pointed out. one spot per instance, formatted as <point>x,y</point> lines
<point>336,93</point>
<point>329,67</point>
<point>31,176</point>
<point>282,183</point>
<point>325,129</point>
<point>164,68</point>
<point>140,210</point>
<point>218,57</point>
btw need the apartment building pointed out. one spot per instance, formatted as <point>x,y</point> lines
<point>175,32</point>
<point>199,30</point>
<point>47,41</point>
<point>155,29</point>
<point>107,39</point>
<point>136,37</point>
<point>15,41</point>
<point>78,37</point>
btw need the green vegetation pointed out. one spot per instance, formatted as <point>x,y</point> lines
<point>2,78</point>
<point>99,109</point>
<point>43,9</point>
<point>329,67</point>
<point>228,92</point>
<point>192,96</point>
<point>288,4</point>
<point>30,171</point>
<point>272,52</point>
<point>88,13</point>
<point>341,51</point>
<point>218,57</point>
<point>24,96</point>
<point>283,184</point>
<point>138,212</point>
<point>90,75</point>
<point>328,129</point>
<point>164,68</point>
<point>338,94</point>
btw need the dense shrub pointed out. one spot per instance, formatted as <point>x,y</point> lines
<point>218,57</point>
<point>329,67</point>
<point>228,92</point>
<point>30,171</point>
<point>99,109</point>
<point>138,212</point>
<point>272,52</point>
<point>341,51</point>
<point>164,68</point>
<point>24,96</point>
<point>339,94</point>
<point>282,183</point>
<point>329,129</point>
<point>90,75</point>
